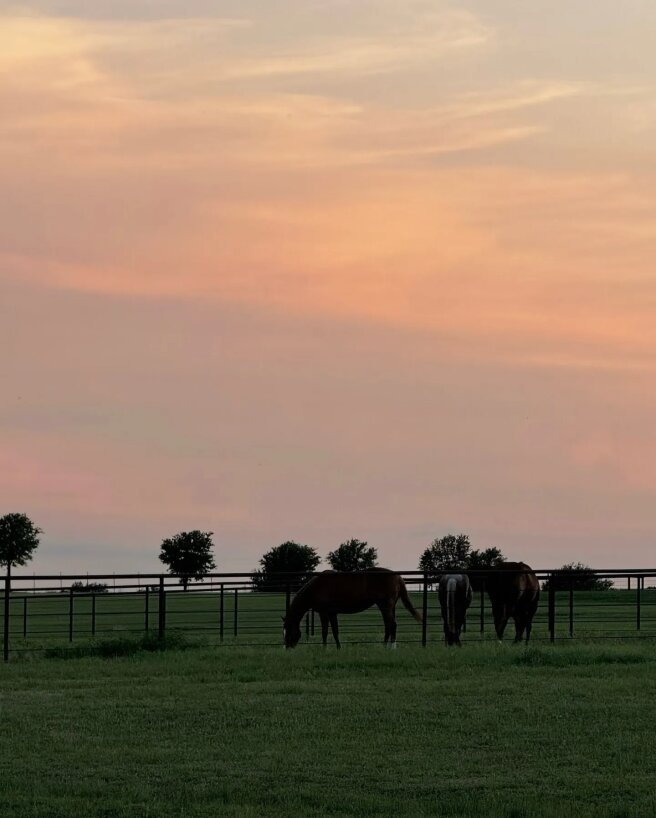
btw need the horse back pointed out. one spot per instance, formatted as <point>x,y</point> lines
<point>513,584</point>
<point>352,592</point>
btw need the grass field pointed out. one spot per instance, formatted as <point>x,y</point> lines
<point>44,619</point>
<point>564,730</point>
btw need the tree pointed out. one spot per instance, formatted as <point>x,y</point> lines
<point>353,555</point>
<point>454,552</point>
<point>445,554</point>
<point>188,554</point>
<point>487,558</point>
<point>19,538</point>
<point>578,576</point>
<point>288,557</point>
<point>79,587</point>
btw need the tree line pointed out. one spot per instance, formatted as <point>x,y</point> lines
<point>189,555</point>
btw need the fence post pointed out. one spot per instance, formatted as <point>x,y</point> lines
<point>483,606</point>
<point>236,620</point>
<point>70,614</point>
<point>571,606</point>
<point>93,614</point>
<point>147,609</point>
<point>424,612</point>
<point>221,612</point>
<point>162,609</point>
<point>5,640</point>
<point>552,608</point>
<point>25,617</point>
<point>638,584</point>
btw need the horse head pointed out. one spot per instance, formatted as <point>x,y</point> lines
<point>291,633</point>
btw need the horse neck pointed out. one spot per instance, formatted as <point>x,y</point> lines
<point>300,605</point>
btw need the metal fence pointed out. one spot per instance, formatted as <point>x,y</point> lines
<point>42,611</point>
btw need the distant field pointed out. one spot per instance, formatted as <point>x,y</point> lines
<point>565,730</point>
<point>45,618</point>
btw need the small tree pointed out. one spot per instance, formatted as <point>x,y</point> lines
<point>487,558</point>
<point>445,554</point>
<point>578,576</point>
<point>480,561</point>
<point>288,557</point>
<point>188,554</point>
<point>454,553</point>
<point>353,555</point>
<point>19,538</point>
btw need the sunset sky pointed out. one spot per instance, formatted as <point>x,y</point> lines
<point>321,269</point>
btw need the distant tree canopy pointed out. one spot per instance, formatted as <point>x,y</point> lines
<point>454,552</point>
<point>79,587</point>
<point>353,555</point>
<point>580,577</point>
<point>288,557</point>
<point>19,538</point>
<point>189,555</point>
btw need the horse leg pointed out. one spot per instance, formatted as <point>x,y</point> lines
<point>459,624</point>
<point>324,627</point>
<point>500,627</point>
<point>520,625</point>
<point>392,629</point>
<point>501,616</point>
<point>383,613</point>
<point>335,629</point>
<point>389,619</point>
<point>529,620</point>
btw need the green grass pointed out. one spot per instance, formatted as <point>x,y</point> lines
<point>565,730</point>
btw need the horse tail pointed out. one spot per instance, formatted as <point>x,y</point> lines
<point>407,604</point>
<point>451,588</point>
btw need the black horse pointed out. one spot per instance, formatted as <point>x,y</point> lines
<point>455,595</point>
<point>514,591</point>
<point>330,593</point>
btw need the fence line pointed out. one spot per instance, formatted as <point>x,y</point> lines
<point>35,611</point>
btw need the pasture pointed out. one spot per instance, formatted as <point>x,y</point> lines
<point>489,730</point>
<point>239,617</point>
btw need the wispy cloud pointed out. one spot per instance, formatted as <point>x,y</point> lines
<point>435,37</point>
<point>395,230</point>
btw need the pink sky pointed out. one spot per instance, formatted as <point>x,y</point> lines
<point>324,269</point>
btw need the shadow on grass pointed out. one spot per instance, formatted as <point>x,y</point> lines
<point>119,646</point>
<point>544,657</point>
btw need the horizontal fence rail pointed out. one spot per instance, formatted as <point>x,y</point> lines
<point>40,612</point>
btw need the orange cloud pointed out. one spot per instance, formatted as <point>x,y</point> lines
<point>312,202</point>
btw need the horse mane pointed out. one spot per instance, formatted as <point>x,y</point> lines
<point>502,567</point>
<point>299,604</point>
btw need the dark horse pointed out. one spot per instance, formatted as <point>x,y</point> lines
<point>514,591</point>
<point>455,594</point>
<point>330,593</point>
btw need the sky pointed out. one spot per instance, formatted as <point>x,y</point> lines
<point>322,269</point>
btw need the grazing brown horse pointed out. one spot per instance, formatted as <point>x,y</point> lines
<point>330,593</point>
<point>455,595</point>
<point>514,591</point>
